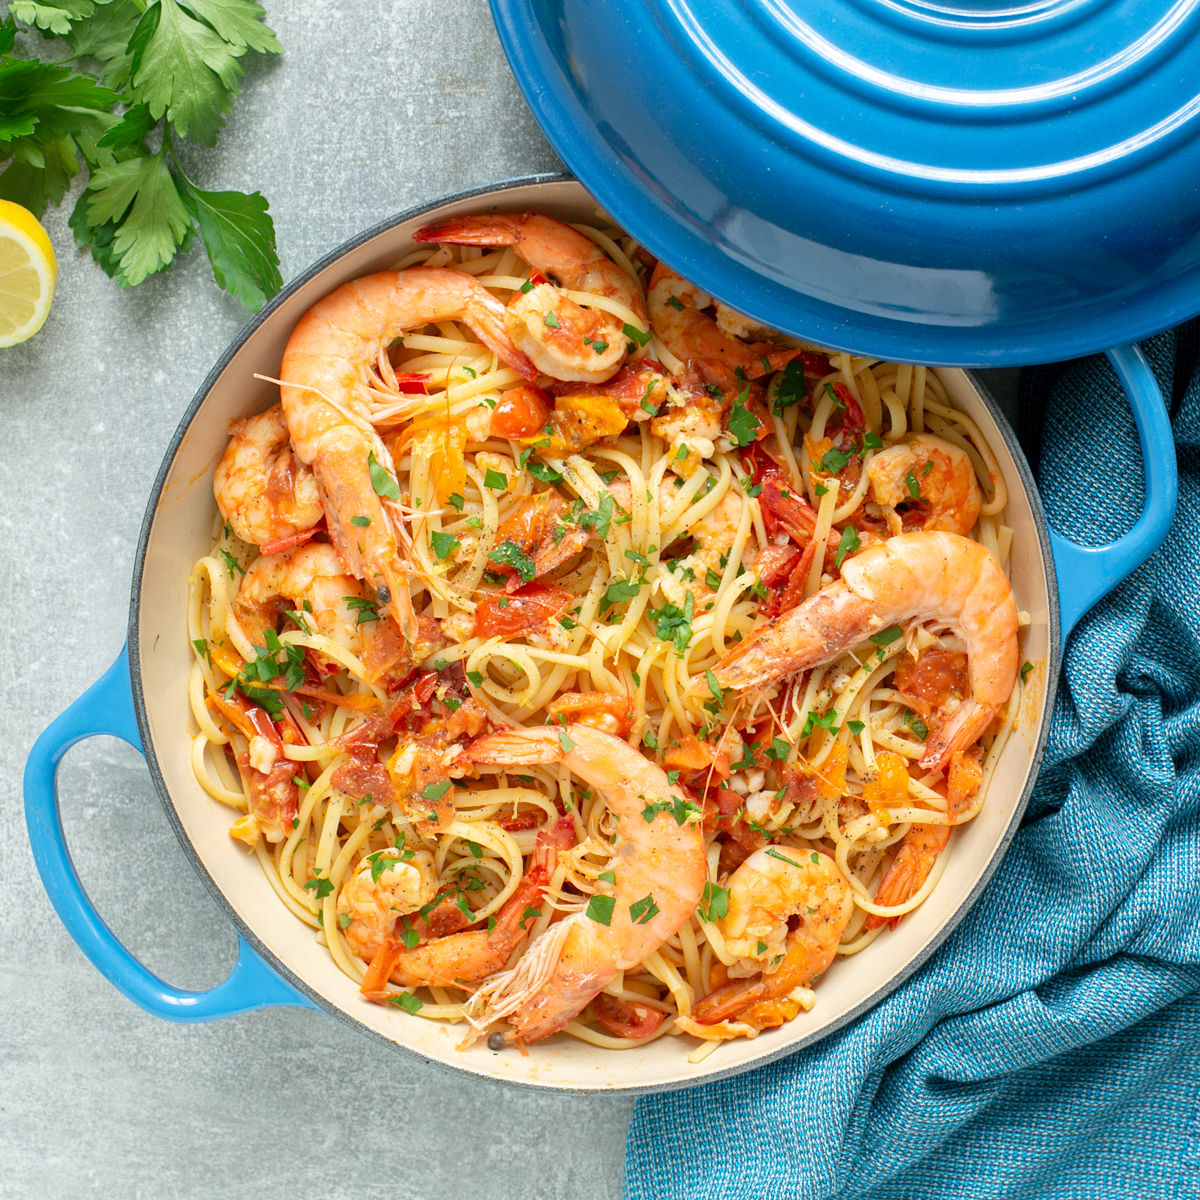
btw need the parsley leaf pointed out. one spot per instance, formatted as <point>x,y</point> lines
<point>140,197</point>
<point>495,479</point>
<point>600,908</point>
<point>1025,669</point>
<point>914,488</point>
<point>239,237</point>
<point>544,473</point>
<point>743,425</point>
<point>716,900</point>
<point>636,335</point>
<point>406,1000</point>
<point>509,554</point>
<point>643,910</point>
<point>848,544</point>
<point>833,461</point>
<point>773,853</point>
<point>444,544</point>
<point>791,388</point>
<point>382,480</point>
<point>885,637</point>
<point>674,624</point>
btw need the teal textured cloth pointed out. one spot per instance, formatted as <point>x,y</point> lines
<point>1050,1049</point>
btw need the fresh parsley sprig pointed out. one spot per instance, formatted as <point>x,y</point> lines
<point>160,72</point>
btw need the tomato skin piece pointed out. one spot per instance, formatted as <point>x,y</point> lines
<point>626,1019</point>
<point>528,607</point>
<point>521,412</point>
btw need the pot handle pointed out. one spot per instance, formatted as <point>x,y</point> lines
<point>1087,573</point>
<point>107,707</point>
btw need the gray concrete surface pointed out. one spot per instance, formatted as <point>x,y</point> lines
<point>377,105</point>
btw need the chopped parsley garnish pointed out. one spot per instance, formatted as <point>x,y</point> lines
<point>551,320</point>
<point>599,347</point>
<point>885,637</point>
<point>600,908</point>
<point>530,914</point>
<point>837,400</point>
<point>636,336</point>
<point>791,388</point>
<point>856,727</point>
<point>649,740</point>
<point>675,303</point>
<point>475,677</point>
<point>916,724</point>
<point>566,743</point>
<point>714,687</point>
<point>495,479</point>
<point>231,563</point>
<point>407,1001</point>
<point>435,791</point>
<point>544,473</point>
<point>716,900</point>
<point>827,721</point>
<point>871,441</point>
<point>778,750</point>
<point>833,461</point>
<point>678,807</point>
<point>509,554</point>
<point>470,371</point>
<point>600,519</point>
<point>444,544</point>
<point>643,910</point>
<point>1025,669</point>
<point>381,479</point>
<point>743,425</point>
<point>361,522</point>
<point>607,877</point>
<point>712,579</point>
<point>848,544</point>
<point>914,488</point>
<point>368,610</point>
<point>928,468</point>
<point>320,888</point>
<point>674,624</point>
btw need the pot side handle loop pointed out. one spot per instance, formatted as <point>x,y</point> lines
<point>107,707</point>
<point>1087,573</point>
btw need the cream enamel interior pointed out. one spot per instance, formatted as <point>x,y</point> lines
<point>180,534</point>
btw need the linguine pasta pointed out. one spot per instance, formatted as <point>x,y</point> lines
<point>546,565</point>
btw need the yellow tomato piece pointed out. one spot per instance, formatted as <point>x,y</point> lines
<point>889,788</point>
<point>581,418</point>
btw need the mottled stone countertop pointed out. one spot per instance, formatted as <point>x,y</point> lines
<point>377,105</point>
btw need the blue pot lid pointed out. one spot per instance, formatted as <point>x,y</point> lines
<point>966,182</point>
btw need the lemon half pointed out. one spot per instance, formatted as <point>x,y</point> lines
<point>28,273</point>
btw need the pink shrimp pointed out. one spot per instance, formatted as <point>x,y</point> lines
<point>566,339</point>
<point>658,868</point>
<point>927,577</point>
<point>325,373</point>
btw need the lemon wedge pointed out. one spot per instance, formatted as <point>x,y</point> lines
<point>28,273</point>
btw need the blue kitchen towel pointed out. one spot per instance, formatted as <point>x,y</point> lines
<point>1051,1048</point>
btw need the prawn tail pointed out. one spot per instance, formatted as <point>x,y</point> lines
<point>469,231</point>
<point>967,724</point>
<point>519,748</point>
<point>489,326</point>
<point>506,993</point>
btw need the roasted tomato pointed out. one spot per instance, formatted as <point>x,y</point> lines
<point>521,412</point>
<point>624,1018</point>
<point>527,608</point>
